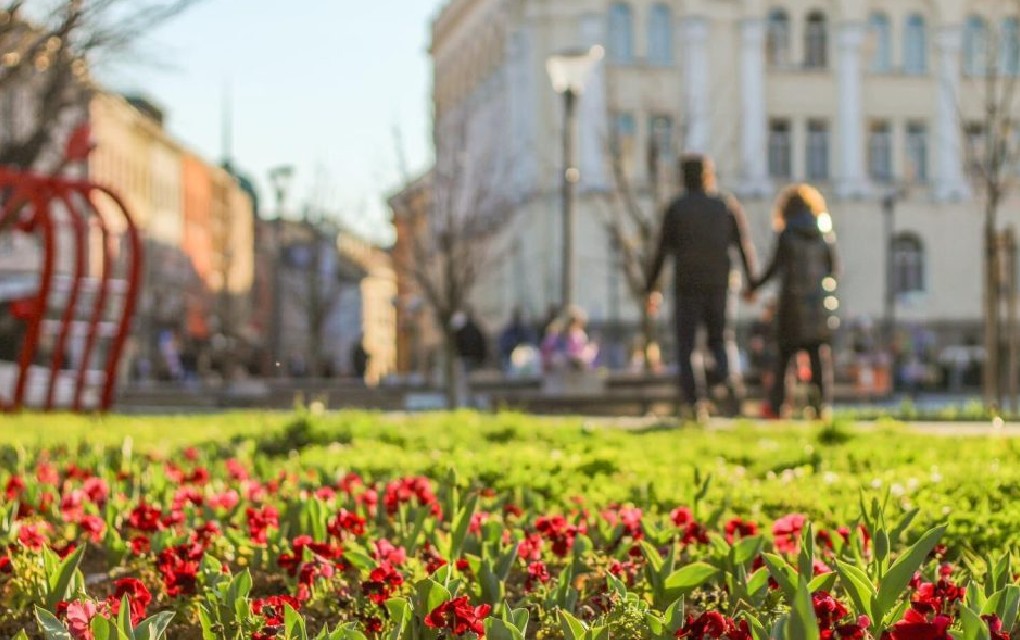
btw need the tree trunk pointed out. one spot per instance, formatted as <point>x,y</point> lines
<point>991,369</point>
<point>450,374</point>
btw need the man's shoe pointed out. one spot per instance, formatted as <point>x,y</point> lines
<point>702,412</point>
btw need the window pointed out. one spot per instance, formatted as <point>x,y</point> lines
<point>975,41</point>
<point>880,152</point>
<point>660,35</point>
<point>660,138</point>
<point>778,39</point>
<point>621,33</point>
<point>974,139</point>
<point>780,150</point>
<point>881,37</point>
<point>818,150</point>
<point>624,131</point>
<point>1009,41</point>
<point>816,41</point>
<point>915,45</point>
<point>917,152</point>
<point>908,264</point>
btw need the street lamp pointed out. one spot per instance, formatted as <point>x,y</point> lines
<point>889,211</point>
<point>568,72</point>
<point>279,179</point>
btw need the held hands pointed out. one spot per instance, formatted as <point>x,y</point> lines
<point>653,302</point>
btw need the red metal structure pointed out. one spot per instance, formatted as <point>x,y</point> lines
<point>80,318</point>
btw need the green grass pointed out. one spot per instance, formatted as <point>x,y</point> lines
<point>759,471</point>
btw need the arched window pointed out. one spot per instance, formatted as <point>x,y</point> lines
<point>660,35</point>
<point>975,43</point>
<point>908,264</point>
<point>621,33</point>
<point>778,40</point>
<point>816,41</point>
<point>881,37</point>
<point>915,45</point>
<point>1009,42</point>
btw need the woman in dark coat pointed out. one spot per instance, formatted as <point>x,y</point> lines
<point>805,263</point>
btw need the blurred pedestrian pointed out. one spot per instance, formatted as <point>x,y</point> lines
<point>804,260</point>
<point>698,231</point>
<point>516,334</point>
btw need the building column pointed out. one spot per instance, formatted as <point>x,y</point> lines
<point>592,112</point>
<point>949,179</point>
<point>754,141</point>
<point>696,123</point>
<point>851,180</point>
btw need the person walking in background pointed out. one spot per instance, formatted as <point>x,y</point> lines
<point>805,262</point>
<point>698,231</point>
<point>360,359</point>
<point>516,334</point>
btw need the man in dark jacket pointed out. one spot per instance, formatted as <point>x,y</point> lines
<point>699,229</point>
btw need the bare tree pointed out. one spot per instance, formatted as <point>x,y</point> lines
<point>455,243</point>
<point>632,225</point>
<point>51,48</point>
<point>993,156</point>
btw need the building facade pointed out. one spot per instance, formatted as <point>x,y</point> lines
<point>865,99</point>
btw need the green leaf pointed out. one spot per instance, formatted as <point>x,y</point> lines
<point>154,627</point>
<point>974,628</point>
<point>803,623</point>
<point>758,630</point>
<point>124,619</point>
<point>497,629</point>
<point>823,582</point>
<point>460,531</point>
<point>400,612</point>
<point>895,581</point>
<point>783,574</point>
<point>857,584</point>
<point>683,581</point>
<point>293,623</point>
<point>759,580</point>
<point>21,635</point>
<point>206,623</point>
<point>747,549</point>
<point>52,628</point>
<point>59,580</point>
<point>573,629</point>
<point>430,594</point>
<point>519,618</point>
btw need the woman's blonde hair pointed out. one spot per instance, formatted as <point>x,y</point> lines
<point>796,199</point>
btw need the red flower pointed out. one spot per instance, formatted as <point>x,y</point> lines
<point>72,506</point>
<point>786,532</point>
<point>740,528</point>
<point>226,500</point>
<point>97,490</point>
<point>386,552</point>
<point>458,616</point>
<point>140,545</point>
<point>828,610</point>
<point>260,520</point>
<point>713,624</point>
<point>537,573</point>
<point>45,473</point>
<point>995,627</point>
<point>347,522</point>
<point>179,567</point>
<point>78,617</point>
<point>33,536</point>
<point>681,516</point>
<point>146,518</point>
<point>273,608</point>
<point>531,547</point>
<point>94,526</point>
<point>915,626</point>
<point>138,598</point>
<point>556,530</point>
<point>936,598</point>
<point>381,583</point>
<point>15,487</point>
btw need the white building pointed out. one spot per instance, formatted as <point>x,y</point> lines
<point>863,98</point>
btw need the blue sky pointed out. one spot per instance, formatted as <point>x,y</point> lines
<point>318,84</point>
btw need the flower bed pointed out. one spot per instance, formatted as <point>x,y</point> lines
<point>242,539</point>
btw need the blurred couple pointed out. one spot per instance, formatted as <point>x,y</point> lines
<point>699,230</point>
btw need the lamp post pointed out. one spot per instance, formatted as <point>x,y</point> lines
<point>279,179</point>
<point>568,72</point>
<point>889,320</point>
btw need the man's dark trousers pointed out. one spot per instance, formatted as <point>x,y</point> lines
<point>696,308</point>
